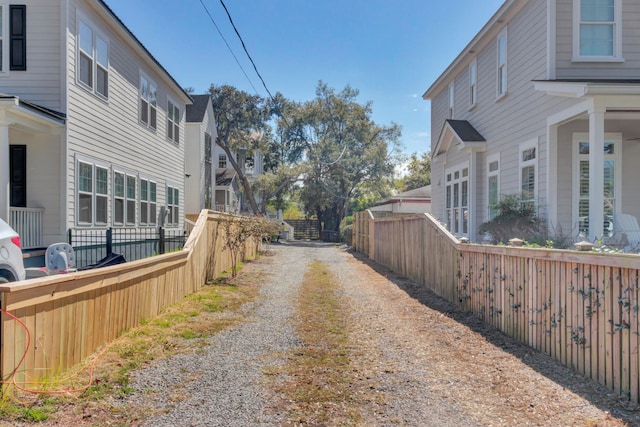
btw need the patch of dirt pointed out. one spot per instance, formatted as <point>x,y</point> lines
<point>408,340</point>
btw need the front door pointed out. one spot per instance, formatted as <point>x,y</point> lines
<point>18,176</point>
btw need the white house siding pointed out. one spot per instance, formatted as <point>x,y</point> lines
<point>194,167</point>
<point>109,130</point>
<point>628,69</point>
<point>41,82</point>
<point>195,161</point>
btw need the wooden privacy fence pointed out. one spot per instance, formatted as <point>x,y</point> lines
<point>70,316</point>
<point>579,308</point>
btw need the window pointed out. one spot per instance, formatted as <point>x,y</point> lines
<point>124,198</point>
<point>93,60</point>
<point>493,186</point>
<point>457,200</point>
<point>147,202</point>
<point>148,103</point>
<point>173,203</point>
<point>502,64</point>
<point>18,37</point>
<point>173,122</point>
<point>92,193</point>
<point>611,181</point>
<point>222,161</point>
<point>597,30</point>
<point>451,100</point>
<point>473,83</point>
<point>528,172</point>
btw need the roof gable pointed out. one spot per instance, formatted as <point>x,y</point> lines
<point>462,133</point>
<point>197,110</point>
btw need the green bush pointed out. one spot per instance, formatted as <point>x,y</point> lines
<point>515,219</point>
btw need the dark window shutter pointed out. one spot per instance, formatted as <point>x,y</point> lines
<point>18,37</point>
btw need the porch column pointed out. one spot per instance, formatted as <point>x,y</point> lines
<point>472,196</point>
<point>552,177</point>
<point>596,173</point>
<point>4,172</point>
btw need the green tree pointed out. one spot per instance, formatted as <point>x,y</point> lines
<point>418,172</point>
<point>345,150</point>
<point>241,121</point>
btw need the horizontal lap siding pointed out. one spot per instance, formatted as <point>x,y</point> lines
<point>41,83</point>
<point>591,70</point>
<point>109,131</point>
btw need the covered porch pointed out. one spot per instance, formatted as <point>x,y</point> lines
<point>32,172</point>
<point>227,189</point>
<point>588,188</point>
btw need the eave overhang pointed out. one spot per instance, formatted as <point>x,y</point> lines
<point>28,116</point>
<point>461,134</point>
<point>580,89</point>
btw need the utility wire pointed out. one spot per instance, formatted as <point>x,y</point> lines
<point>229,47</point>
<point>245,50</point>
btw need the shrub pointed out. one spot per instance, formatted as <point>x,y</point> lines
<point>515,219</point>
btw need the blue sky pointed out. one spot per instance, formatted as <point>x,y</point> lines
<point>390,50</point>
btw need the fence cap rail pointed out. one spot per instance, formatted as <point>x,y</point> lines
<point>120,269</point>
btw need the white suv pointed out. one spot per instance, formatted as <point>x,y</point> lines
<point>11,265</point>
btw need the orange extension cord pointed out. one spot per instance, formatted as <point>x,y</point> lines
<point>24,355</point>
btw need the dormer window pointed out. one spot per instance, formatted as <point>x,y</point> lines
<point>597,32</point>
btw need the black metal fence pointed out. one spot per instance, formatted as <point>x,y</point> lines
<point>91,245</point>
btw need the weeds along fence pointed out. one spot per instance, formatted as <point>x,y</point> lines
<point>69,316</point>
<point>579,308</point>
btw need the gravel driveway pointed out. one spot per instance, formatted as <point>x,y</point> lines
<point>420,361</point>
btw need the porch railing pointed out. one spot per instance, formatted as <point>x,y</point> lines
<point>28,224</point>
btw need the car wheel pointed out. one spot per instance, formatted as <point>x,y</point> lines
<point>5,277</point>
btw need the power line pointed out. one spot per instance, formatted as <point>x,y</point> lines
<point>245,50</point>
<point>229,47</point>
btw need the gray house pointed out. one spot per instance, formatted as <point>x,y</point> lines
<point>521,108</point>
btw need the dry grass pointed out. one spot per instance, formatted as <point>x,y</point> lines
<point>180,329</point>
<point>318,388</point>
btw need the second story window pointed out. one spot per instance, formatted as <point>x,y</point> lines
<point>222,161</point>
<point>597,29</point>
<point>173,122</point>
<point>148,103</point>
<point>502,64</point>
<point>473,83</point>
<point>452,93</point>
<point>93,60</point>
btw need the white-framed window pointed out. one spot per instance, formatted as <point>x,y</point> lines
<point>222,161</point>
<point>501,64</point>
<point>92,195</point>
<point>148,204</point>
<point>493,185</point>
<point>597,30</point>
<point>124,198</point>
<point>93,59</point>
<point>452,99</point>
<point>4,38</point>
<point>148,103</point>
<point>457,199</point>
<point>173,205</point>
<point>528,159</point>
<point>173,122</point>
<point>611,180</point>
<point>473,83</point>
